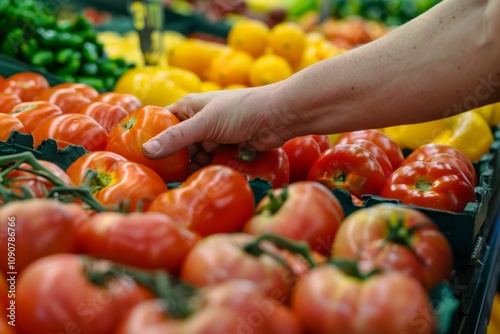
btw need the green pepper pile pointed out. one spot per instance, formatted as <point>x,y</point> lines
<point>30,31</point>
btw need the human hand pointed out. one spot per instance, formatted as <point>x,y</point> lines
<point>250,117</point>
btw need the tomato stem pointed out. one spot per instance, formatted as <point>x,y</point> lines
<point>350,267</point>
<point>423,185</point>
<point>339,177</point>
<point>295,247</point>
<point>129,124</point>
<point>275,202</point>
<point>247,155</point>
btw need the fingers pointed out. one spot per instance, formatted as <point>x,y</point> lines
<point>174,138</point>
<point>189,105</point>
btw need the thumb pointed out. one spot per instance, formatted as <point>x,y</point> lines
<point>174,139</point>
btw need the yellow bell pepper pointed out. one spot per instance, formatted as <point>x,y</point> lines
<point>469,132</point>
<point>411,136</point>
<point>491,113</point>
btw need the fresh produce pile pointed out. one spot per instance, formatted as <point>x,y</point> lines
<point>66,47</point>
<point>252,242</point>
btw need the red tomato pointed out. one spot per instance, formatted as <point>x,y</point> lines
<point>432,149</point>
<point>68,99</point>
<point>323,142</point>
<point>106,114</point>
<point>302,153</point>
<point>378,153</point>
<point>328,300</point>
<point>138,239</point>
<point>304,211</point>
<point>350,167</point>
<point>220,257</point>
<point>214,199</point>
<point>8,101</point>
<point>236,306</point>
<point>437,185</point>
<point>386,143</point>
<point>9,124</point>
<point>394,238</point>
<point>54,295</point>
<point>118,182</point>
<point>127,101</point>
<point>272,165</point>
<point>33,113</point>
<point>26,85</point>
<point>6,328</point>
<point>88,91</point>
<point>38,228</point>
<point>72,129</point>
<point>127,137</point>
<point>448,158</point>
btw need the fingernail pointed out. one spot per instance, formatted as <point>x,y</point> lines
<point>152,146</point>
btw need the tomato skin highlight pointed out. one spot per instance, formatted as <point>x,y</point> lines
<point>68,99</point>
<point>127,101</point>
<point>350,167</point>
<point>33,113</point>
<point>118,181</point>
<point>87,91</point>
<point>8,101</point>
<point>9,124</point>
<point>214,199</point>
<point>435,184</point>
<point>106,114</point>
<point>378,153</point>
<point>144,123</point>
<point>272,165</point>
<point>302,153</point>
<point>26,85</point>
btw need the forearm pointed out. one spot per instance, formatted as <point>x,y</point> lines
<point>444,62</point>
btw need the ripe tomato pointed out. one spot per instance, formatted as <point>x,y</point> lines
<point>392,237</point>
<point>378,153</point>
<point>272,165</point>
<point>33,113</point>
<point>220,257</point>
<point>127,137</point>
<point>55,295</point>
<point>106,114</point>
<point>323,141</point>
<point>26,85</point>
<point>448,158</point>
<point>127,101</point>
<point>425,151</point>
<point>302,153</point>
<point>72,129</point>
<point>88,91</point>
<point>350,167</point>
<point>436,184</point>
<point>329,300</point>
<point>138,239</point>
<point>9,124</point>
<point>68,99</point>
<point>5,328</point>
<point>8,101</point>
<point>118,182</point>
<point>304,211</point>
<point>386,143</point>
<point>214,199</point>
<point>41,227</point>
<point>236,306</point>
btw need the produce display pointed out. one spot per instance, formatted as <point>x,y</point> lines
<point>369,231</point>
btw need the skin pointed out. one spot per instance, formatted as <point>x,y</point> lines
<point>442,63</point>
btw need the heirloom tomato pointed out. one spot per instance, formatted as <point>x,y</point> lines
<point>378,153</point>
<point>117,182</point>
<point>9,124</point>
<point>236,306</point>
<point>425,151</point>
<point>88,91</point>
<point>386,143</point>
<point>272,165</point>
<point>127,101</point>
<point>302,152</point>
<point>331,300</point>
<point>304,210</point>
<point>144,123</point>
<point>448,158</point>
<point>435,184</point>
<point>146,240</point>
<point>350,167</point>
<point>8,101</point>
<point>38,228</point>
<point>214,199</point>
<point>391,237</point>
<point>26,85</point>
<point>221,257</point>
<point>323,141</point>
<point>68,99</point>
<point>33,113</point>
<point>72,129</point>
<point>55,295</point>
<point>106,114</point>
